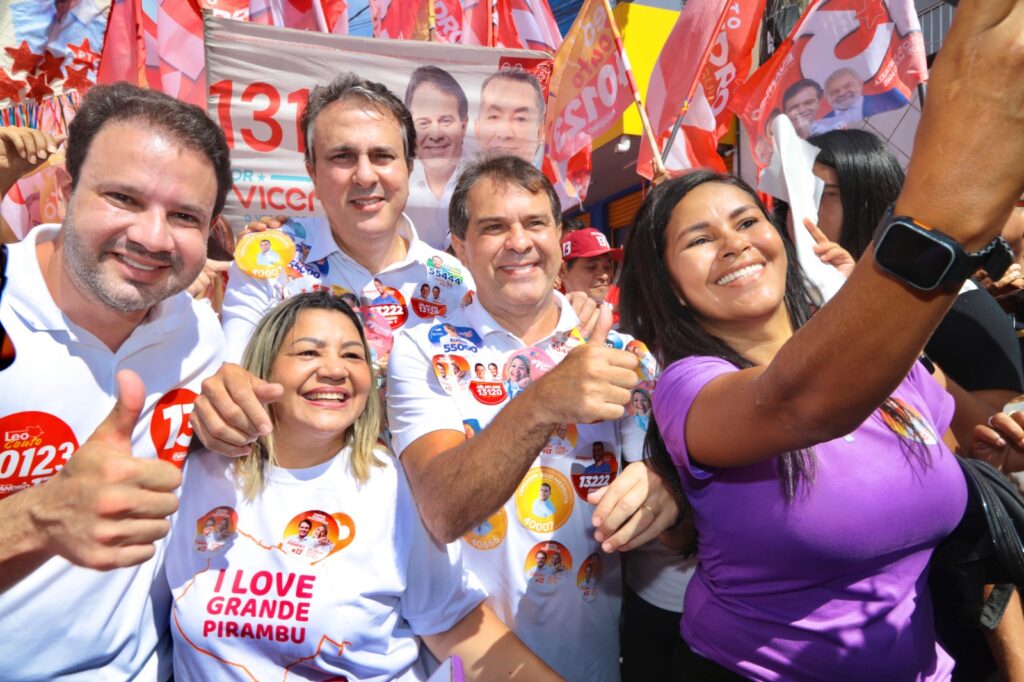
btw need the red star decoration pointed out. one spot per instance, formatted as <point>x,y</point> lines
<point>51,66</point>
<point>84,54</point>
<point>78,79</point>
<point>24,59</point>
<point>871,15</point>
<point>9,88</point>
<point>39,89</point>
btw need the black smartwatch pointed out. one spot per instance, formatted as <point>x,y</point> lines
<point>927,259</point>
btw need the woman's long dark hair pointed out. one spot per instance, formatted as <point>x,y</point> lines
<point>650,310</point>
<point>870,179</point>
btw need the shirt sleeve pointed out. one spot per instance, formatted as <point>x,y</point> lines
<point>246,300</point>
<point>678,387</point>
<point>440,590</point>
<point>417,405</point>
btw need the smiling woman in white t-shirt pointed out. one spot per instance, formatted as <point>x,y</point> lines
<point>350,603</point>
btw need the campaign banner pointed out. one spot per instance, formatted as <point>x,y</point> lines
<point>464,101</point>
<point>846,60</point>
<point>589,85</point>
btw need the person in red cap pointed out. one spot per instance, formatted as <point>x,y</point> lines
<point>588,264</point>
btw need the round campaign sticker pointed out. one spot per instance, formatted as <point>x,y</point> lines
<point>599,472</point>
<point>427,302</point>
<point>452,371</point>
<point>264,255</point>
<point>488,392</point>
<point>589,575</point>
<point>648,369</point>
<point>548,563</point>
<point>562,440</point>
<point>214,529</point>
<point>169,428</point>
<point>544,500</point>
<point>315,534</point>
<point>389,302</point>
<point>563,342</point>
<point>33,447</point>
<point>490,533</point>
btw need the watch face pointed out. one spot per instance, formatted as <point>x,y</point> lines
<point>913,255</point>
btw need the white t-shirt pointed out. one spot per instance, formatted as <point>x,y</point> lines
<point>573,627</point>
<point>264,607</point>
<point>65,621</point>
<point>320,264</point>
<point>428,212</point>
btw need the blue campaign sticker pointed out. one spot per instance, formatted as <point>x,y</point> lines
<point>454,338</point>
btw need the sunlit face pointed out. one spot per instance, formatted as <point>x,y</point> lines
<point>843,90</point>
<point>320,533</point>
<point>830,210</point>
<point>592,276</point>
<point>544,491</point>
<point>304,527</point>
<point>510,120</point>
<point>439,130</point>
<point>479,371</point>
<point>359,172</point>
<point>512,247</point>
<point>138,218</point>
<point>323,368</point>
<point>518,369</point>
<point>726,261</point>
<point>541,558</point>
<point>801,108</point>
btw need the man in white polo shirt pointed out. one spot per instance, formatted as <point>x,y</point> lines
<point>516,502</point>
<point>102,293</point>
<point>360,144</point>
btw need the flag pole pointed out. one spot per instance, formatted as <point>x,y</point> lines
<point>659,166</point>
<point>431,22</point>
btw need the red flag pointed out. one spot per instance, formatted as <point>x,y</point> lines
<point>536,25</point>
<point>448,22</point>
<point>123,57</point>
<point>845,60</point>
<point>400,19</point>
<point>675,89</point>
<point>504,33</point>
<point>477,26</point>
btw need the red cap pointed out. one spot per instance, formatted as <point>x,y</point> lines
<point>587,243</point>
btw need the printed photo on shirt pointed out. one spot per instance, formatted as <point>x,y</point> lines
<point>489,533</point>
<point>544,500</point>
<point>388,301</point>
<point>548,563</point>
<point>648,369</point>
<point>214,529</point>
<point>428,302</point>
<point>639,407</point>
<point>314,534</point>
<point>589,576</point>
<point>264,255</point>
<point>562,440</point>
<point>599,470</point>
<point>922,431</point>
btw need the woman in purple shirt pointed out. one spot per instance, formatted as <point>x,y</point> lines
<point>813,451</point>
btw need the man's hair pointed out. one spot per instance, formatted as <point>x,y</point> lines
<point>519,76</point>
<point>545,485</point>
<point>801,84</point>
<point>187,123</point>
<point>443,81</point>
<point>349,87</point>
<point>307,522</point>
<point>503,170</point>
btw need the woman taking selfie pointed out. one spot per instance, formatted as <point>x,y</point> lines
<point>326,571</point>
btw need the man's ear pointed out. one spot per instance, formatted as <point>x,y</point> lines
<point>310,172</point>
<point>459,247</point>
<point>63,184</point>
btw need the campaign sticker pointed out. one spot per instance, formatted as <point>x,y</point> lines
<point>449,337</point>
<point>598,473</point>
<point>452,371</point>
<point>471,427</point>
<point>639,407</point>
<point>379,335</point>
<point>517,374</point>
<point>264,255</point>
<point>33,447</point>
<point>315,534</point>
<point>562,441</point>
<point>561,344</point>
<point>648,369</point>
<point>548,563</point>
<point>489,533</point>
<point>429,304</point>
<point>544,500</point>
<point>170,428</point>
<point>388,301</point>
<point>925,435</point>
<point>214,529</point>
<point>488,392</point>
<point>446,274</point>
<point>589,576</point>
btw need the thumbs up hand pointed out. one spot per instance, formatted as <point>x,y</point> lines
<point>592,383</point>
<point>105,508</point>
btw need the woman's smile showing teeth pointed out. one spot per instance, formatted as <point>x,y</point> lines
<point>753,269</point>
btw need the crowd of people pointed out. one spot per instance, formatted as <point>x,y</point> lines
<point>499,439</point>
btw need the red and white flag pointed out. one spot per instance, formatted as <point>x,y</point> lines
<point>536,25</point>
<point>844,61</point>
<point>400,19</point>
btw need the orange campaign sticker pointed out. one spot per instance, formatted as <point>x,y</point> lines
<point>548,563</point>
<point>169,428</point>
<point>214,529</point>
<point>490,533</point>
<point>589,576</point>
<point>562,440</point>
<point>599,472</point>
<point>33,447</point>
<point>389,302</point>
<point>452,371</point>
<point>264,255</point>
<point>316,534</point>
<point>544,500</point>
